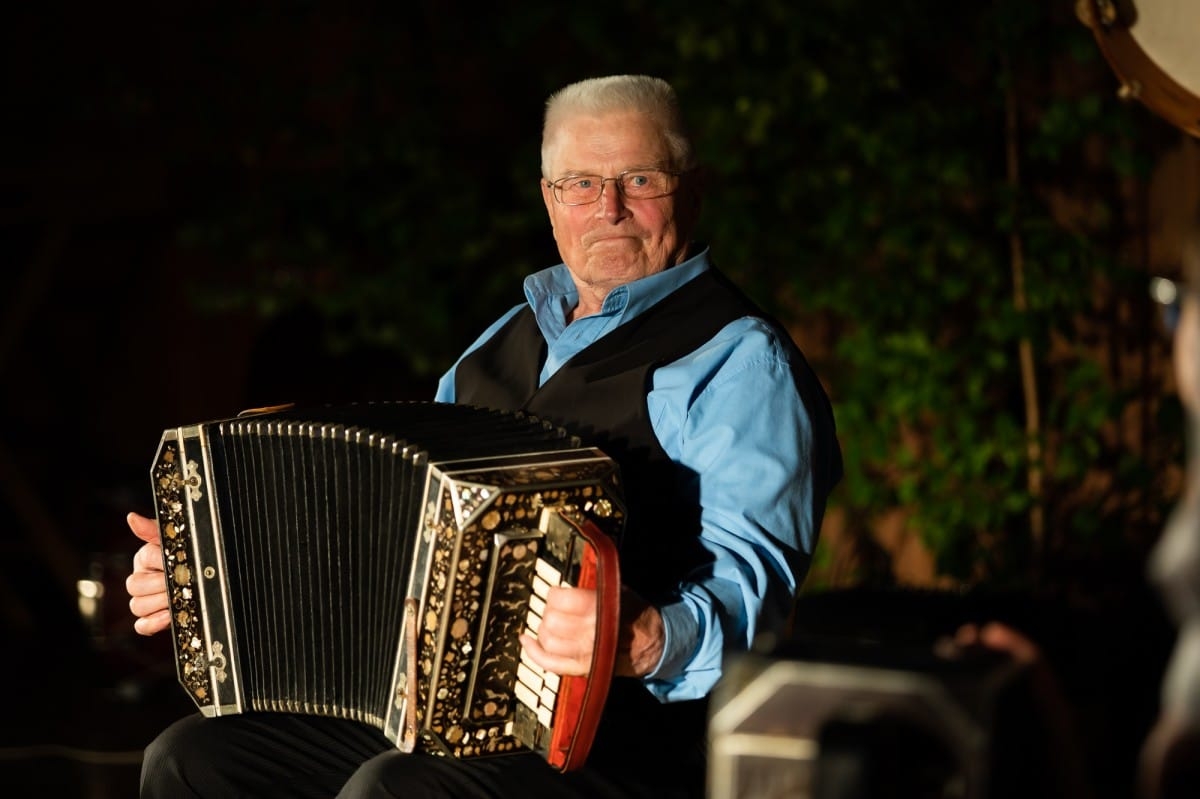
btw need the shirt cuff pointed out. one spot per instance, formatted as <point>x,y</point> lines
<point>682,633</point>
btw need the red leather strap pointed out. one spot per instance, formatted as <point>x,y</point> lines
<point>581,699</point>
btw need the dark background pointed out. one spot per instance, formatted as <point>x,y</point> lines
<point>207,207</point>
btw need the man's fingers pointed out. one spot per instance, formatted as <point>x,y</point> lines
<point>557,663</point>
<point>571,601</point>
<point>143,527</point>
<point>569,616</point>
<point>154,623</point>
<point>144,605</point>
<point>566,633</point>
<point>148,558</point>
<point>146,584</point>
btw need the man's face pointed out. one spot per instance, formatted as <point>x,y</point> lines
<point>613,240</point>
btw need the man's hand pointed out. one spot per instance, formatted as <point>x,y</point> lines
<point>147,585</point>
<point>642,637</point>
<point>567,633</point>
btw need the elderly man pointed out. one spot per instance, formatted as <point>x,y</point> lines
<point>727,449</point>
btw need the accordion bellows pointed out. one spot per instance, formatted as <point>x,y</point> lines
<point>377,561</point>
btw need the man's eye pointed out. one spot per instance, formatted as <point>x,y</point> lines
<point>637,181</point>
<point>580,183</point>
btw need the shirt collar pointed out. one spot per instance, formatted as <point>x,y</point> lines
<point>551,292</point>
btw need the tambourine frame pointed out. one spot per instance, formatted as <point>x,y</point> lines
<point>1141,78</point>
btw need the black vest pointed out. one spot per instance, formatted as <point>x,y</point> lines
<point>600,395</point>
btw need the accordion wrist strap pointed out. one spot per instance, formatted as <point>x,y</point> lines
<point>582,698</point>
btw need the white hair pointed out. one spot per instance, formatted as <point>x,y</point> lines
<point>648,95</point>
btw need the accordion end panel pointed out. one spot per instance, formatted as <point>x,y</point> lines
<point>205,656</point>
<point>495,537</point>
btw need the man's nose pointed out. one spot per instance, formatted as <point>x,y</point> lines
<point>612,201</point>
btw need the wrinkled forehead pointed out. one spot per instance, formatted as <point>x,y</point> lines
<point>604,144</point>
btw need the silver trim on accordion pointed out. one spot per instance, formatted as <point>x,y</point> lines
<point>324,560</point>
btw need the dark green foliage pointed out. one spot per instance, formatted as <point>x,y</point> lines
<point>856,156</point>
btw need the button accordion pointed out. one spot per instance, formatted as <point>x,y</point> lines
<point>377,561</point>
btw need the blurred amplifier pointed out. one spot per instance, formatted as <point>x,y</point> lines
<point>854,719</point>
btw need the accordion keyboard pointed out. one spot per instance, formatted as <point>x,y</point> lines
<point>536,688</point>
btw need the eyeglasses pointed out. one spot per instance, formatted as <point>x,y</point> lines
<point>1168,293</point>
<point>634,184</point>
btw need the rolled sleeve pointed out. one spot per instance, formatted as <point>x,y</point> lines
<point>731,413</point>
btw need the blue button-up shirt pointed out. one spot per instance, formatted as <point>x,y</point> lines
<point>730,413</point>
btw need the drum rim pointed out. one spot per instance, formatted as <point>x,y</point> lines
<point>1141,77</point>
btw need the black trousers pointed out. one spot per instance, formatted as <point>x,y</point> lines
<point>300,756</point>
